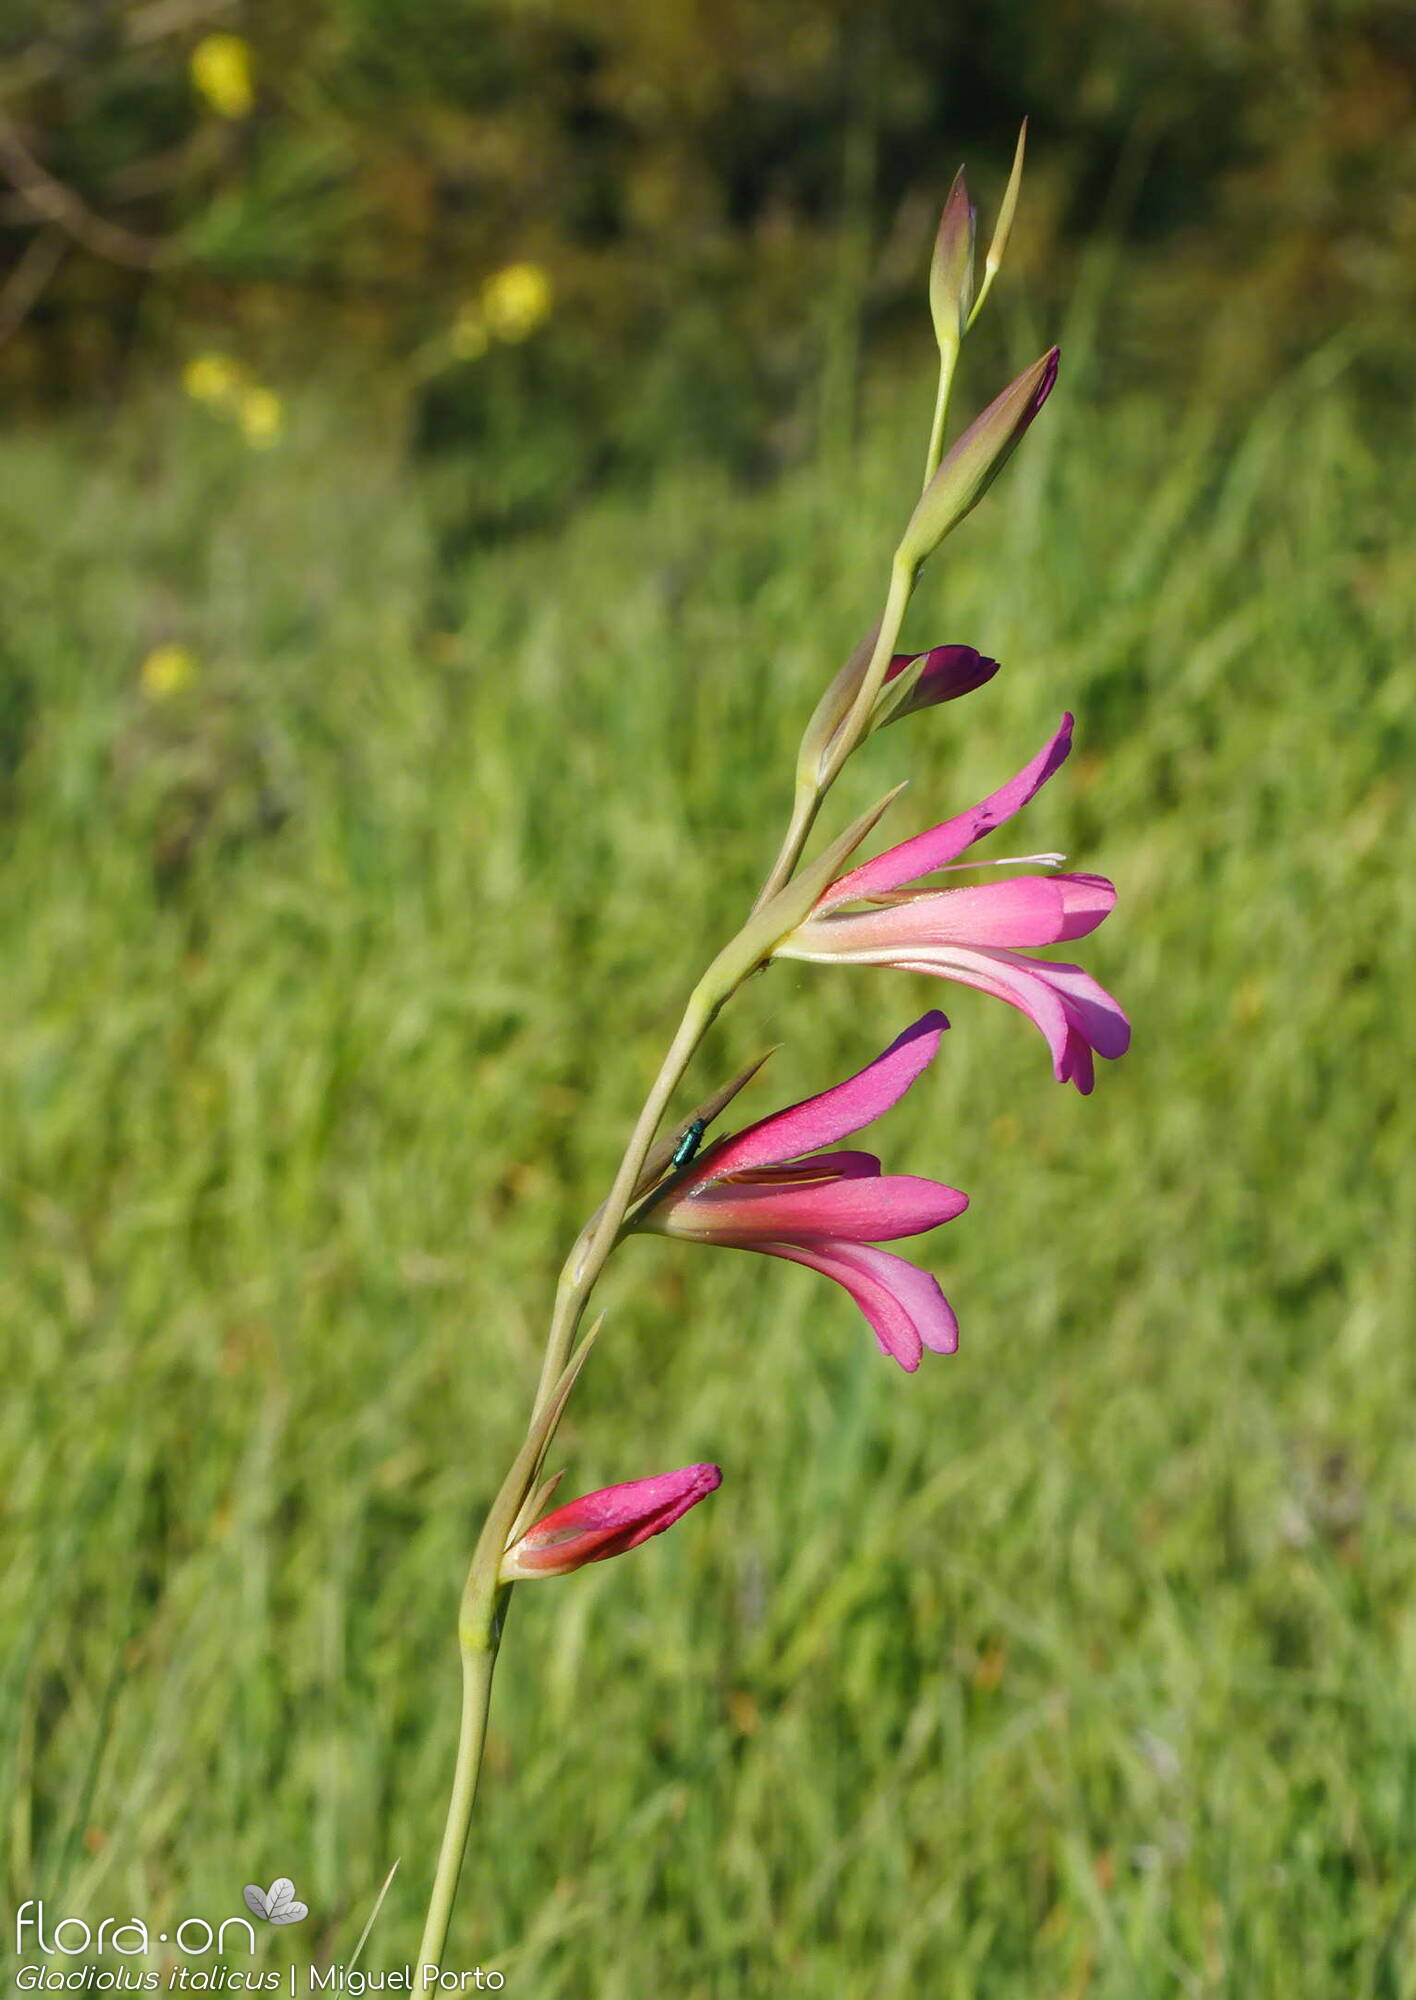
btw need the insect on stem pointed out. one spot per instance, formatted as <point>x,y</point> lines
<point>690,1142</point>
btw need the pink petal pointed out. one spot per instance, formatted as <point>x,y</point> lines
<point>1092,1011</point>
<point>918,1291</point>
<point>904,1306</point>
<point>1012,980</point>
<point>1022,910</point>
<point>863,1211</point>
<point>816,1167</point>
<point>1088,901</point>
<point>941,844</point>
<point>834,1114</point>
<point>1075,1014</point>
<point>1076,1066</point>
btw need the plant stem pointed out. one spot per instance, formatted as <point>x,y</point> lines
<point>856,724</point>
<point>811,795</point>
<point>585,1264</point>
<point>805,806</point>
<point>478,1662</point>
<point>948,361</point>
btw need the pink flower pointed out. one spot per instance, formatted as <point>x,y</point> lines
<point>969,934</point>
<point>768,1189</point>
<point>948,672</point>
<point>607,1523</point>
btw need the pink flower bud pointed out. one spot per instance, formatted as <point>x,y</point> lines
<point>607,1523</point>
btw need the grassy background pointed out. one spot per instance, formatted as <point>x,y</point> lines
<point>1082,1664</point>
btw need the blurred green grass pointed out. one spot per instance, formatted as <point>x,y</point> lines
<point>1081,1664</point>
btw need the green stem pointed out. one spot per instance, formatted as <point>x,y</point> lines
<point>854,728</point>
<point>479,1658</point>
<point>588,1258</point>
<point>805,806</point>
<point>811,792</point>
<point>948,361</point>
<point>483,1598</point>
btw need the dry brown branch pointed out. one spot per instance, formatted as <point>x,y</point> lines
<point>50,201</point>
<point>181,163</point>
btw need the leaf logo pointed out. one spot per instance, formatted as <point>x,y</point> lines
<point>277,1904</point>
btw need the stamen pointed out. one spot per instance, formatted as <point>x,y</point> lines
<point>1005,861</point>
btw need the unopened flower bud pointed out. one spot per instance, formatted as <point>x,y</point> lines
<point>607,1522</point>
<point>951,272</point>
<point>976,458</point>
<point>921,680</point>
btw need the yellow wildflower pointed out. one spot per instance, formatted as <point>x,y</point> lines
<point>262,417</point>
<point>166,671</point>
<point>516,300</point>
<point>221,74</point>
<point>211,378</point>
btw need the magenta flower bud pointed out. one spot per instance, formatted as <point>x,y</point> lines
<point>975,459</point>
<point>946,672</point>
<point>607,1523</point>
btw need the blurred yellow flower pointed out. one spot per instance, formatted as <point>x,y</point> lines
<point>262,417</point>
<point>515,300</point>
<point>221,73</point>
<point>223,384</point>
<point>212,378</point>
<point>469,339</point>
<point>166,671</point>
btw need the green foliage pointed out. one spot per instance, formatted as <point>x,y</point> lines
<point>1083,1663</point>
<point>688,177</point>
<point>277,220</point>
